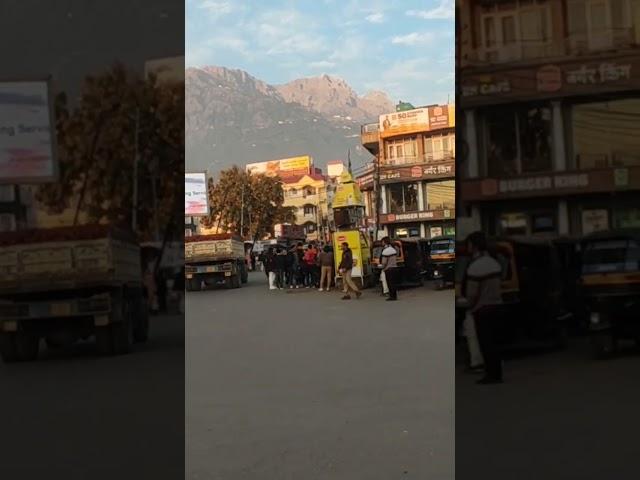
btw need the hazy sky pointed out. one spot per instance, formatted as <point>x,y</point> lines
<point>404,47</point>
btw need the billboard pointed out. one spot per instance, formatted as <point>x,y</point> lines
<point>410,121</point>
<point>27,133</point>
<point>196,201</point>
<point>286,167</point>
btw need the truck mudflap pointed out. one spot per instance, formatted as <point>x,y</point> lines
<point>98,306</point>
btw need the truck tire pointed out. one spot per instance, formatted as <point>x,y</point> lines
<point>236,281</point>
<point>27,346</point>
<point>141,321</point>
<point>8,348</point>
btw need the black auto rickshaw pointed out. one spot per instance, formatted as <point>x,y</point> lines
<point>410,261</point>
<point>532,292</point>
<point>610,287</point>
<point>442,261</point>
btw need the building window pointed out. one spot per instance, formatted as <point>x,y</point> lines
<point>601,24</point>
<point>606,134</point>
<point>517,141</point>
<point>309,227</point>
<point>7,222</point>
<point>306,191</point>
<point>309,210</point>
<point>523,32</point>
<point>401,151</point>
<point>292,192</point>
<point>439,147</point>
<point>406,231</point>
<point>402,197</point>
<point>440,195</point>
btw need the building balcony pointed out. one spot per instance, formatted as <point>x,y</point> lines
<point>370,137</point>
<point>433,157</point>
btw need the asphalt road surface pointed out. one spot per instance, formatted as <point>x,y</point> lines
<point>303,385</point>
<point>75,415</point>
<point>558,415</point>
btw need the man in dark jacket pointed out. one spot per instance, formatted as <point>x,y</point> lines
<point>345,267</point>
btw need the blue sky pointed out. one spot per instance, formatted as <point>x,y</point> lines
<point>404,47</point>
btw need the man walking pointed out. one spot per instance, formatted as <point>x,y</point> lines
<point>390,268</point>
<point>326,268</point>
<point>483,293</point>
<point>345,267</point>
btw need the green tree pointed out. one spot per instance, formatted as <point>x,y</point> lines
<point>247,204</point>
<point>97,151</point>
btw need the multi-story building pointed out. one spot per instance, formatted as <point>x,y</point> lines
<point>307,195</point>
<point>409,189</point>
<point>549,94</point>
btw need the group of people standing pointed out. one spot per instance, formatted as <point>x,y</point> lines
<point>301,266</point>
<point>312,266</point>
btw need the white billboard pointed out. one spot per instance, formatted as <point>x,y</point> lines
<point>196,200</point>
<point>27,133</point>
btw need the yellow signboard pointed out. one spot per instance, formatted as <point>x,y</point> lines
<point>359,245</point>
<point>284,167</point>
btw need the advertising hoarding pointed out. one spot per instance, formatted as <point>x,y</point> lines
<point>27,133</point>
<point>286,167</point>
<point>410,121</point>
<point>196,201</point>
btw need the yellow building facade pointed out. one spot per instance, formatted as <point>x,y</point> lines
<point>307,195</point>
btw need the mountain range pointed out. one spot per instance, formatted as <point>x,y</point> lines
<point>233,118</point>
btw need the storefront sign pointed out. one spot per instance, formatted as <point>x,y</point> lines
<point>560,184</point>
<point>418,172</point>
<point>413,216</point>
<point>549,81</point>
<point>595,221</point>
<point>543,183</point>
<point>602,73</point>
<point>488,88</point>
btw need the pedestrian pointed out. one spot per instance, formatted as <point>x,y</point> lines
<point>389,265</point>
<point>310,265</point>
<point>345,267</point>
<point>253,262</point>
<point>301,271</point>
<point>383,277</point>
<point>280,266</point>
<point>326,268</point>
<point>484,302</point>
<point>269,268</point>
<point>291,268</point>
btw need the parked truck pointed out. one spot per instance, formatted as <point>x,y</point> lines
<point>70,283</point>
<point>213,260</point>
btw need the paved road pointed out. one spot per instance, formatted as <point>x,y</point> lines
<point>75,415</point>
<point>559,415</point>
<point>305,386</point>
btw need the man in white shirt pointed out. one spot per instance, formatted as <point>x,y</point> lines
<point>390,268</point>
<point>483,293</point>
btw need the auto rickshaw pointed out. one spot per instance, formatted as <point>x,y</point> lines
<point>410,261</point>
<point>610,287</point>
<point>442,261</point>
<point>532,292</point>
